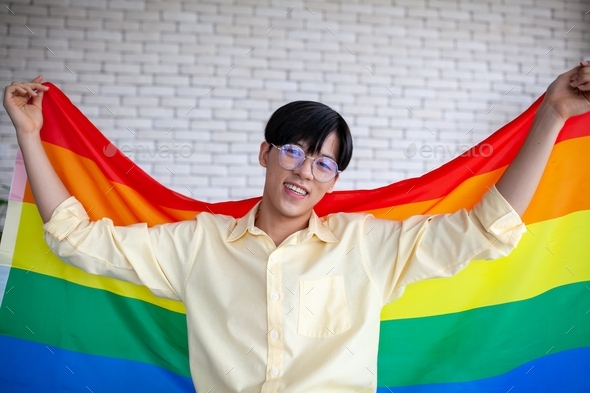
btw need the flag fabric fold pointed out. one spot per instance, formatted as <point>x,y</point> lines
<point>521,322</point>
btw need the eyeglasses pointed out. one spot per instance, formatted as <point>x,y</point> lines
<point>292,157</point>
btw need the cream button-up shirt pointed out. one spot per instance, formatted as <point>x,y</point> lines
<point>300,317</point>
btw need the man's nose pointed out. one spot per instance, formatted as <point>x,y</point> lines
<point>305,170</point>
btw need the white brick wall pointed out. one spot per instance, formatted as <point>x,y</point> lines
<point>423,72</point>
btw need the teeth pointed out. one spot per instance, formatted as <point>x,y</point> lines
<point>298,190</point>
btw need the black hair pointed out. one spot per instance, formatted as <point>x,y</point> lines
<point>311,123</point>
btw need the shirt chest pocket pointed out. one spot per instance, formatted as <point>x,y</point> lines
<point>323,311</point>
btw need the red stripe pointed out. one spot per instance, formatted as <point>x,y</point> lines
<point>66,126</point>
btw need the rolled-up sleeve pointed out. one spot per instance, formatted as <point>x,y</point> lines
<point>397,253</point>
<point>157,257</point>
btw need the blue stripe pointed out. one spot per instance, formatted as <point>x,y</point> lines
<point>564,372</point>
<point>28,367</point>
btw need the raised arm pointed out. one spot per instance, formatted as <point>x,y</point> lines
<point>23,103</point>
<point>567,96</point>
<point>158,257</point>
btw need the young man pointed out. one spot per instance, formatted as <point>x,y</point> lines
<point>273,298</point>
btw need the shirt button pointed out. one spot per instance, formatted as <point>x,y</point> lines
<point>275,372</point>
<point>273,258</point>
<point>274,335</point>
<point>275,296</point>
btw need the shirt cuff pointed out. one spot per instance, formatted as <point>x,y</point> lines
<point>66,216</point>
<point>499,218</point>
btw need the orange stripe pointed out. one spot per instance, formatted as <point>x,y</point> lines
<point>102,197</point>
<point>564,188</point>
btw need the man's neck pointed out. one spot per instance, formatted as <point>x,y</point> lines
<point>277,226</point>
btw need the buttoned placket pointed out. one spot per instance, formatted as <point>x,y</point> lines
<point>274,309</point>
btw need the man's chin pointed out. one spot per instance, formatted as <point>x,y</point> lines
<point>296,209</point>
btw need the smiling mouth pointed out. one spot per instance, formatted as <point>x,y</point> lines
<point>297,190</point>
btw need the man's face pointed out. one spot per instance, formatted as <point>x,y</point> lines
<point>285,201</point>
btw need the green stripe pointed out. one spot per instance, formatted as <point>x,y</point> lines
<point>483,342</point>
<point>457,347</point>
<point>93,321</point>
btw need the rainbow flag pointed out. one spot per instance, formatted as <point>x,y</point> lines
<point>518,324</point>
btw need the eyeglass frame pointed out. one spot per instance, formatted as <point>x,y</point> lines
<point>306,157</point>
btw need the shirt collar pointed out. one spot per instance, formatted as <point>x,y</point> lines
<point>315,227</point>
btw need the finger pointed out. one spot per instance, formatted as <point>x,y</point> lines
<point>38,99</point>
<point>581,78</point>
<point>21,90</point>
<point>30,90</point>
<point>22,87</point>
<point>37,79</point>
<point>13,93</point>
<point>37,86</point>
<point>571,72</point>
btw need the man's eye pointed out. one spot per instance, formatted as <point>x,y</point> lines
<point>326,165</point>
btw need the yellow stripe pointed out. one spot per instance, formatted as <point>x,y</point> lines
<point>31,252</point>
<point>535,266</point>
<point>553,253</point>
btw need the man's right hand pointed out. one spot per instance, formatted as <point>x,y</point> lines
<point>25,113</point>
<point>23,105</point>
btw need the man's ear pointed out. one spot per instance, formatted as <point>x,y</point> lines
<point>333,184</point>
<point>263,154</point>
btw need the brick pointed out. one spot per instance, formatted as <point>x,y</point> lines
<point>140,58</point>
<point>230,93</point>
<point>160,68</point>
<point>214,125</point>
<point>172,80</point>
<point>125,25</point>
<point>143,36</point>
<point>128,5</point>
<point>84,23</point>
<point>167,48</point>
<point>100,4</point>
<point>122,68</point>
<point>17,41</point>
<point>231,114</point>
<point>160,26</point>
<point>21,9</point>
<point>100,14</point>
<point>124,47</point>
<point>136,79</point>
<point>178,38</point>
<point>156,91</point>
<point>104,35</point>
<point>118,90</point>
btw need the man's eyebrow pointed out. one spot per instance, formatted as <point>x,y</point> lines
<point>321,154</point>
<point>329,156</point>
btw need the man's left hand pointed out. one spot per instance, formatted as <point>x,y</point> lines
<point>569,94</point>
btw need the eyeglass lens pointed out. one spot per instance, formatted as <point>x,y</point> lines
<point>292,156</point>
